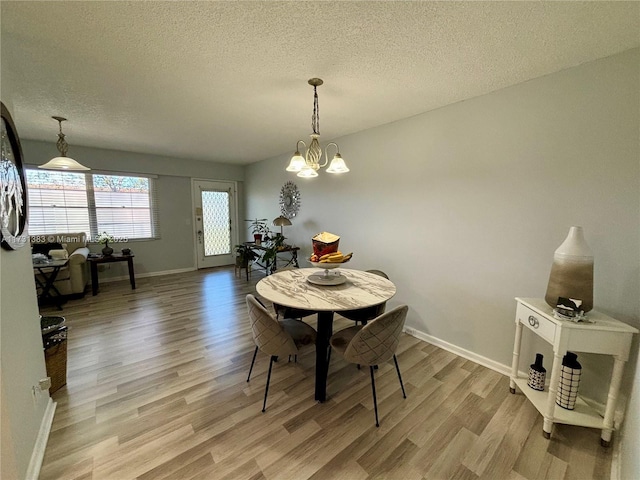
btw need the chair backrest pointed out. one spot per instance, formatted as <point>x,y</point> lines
<point>379,310</point>
<point>379,272</point>
<point>282,269</point>
<point>367,313</point>
<point>270,337</point>
<point>378,340</point>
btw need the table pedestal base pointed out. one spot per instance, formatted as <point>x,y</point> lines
<point>325,330</point>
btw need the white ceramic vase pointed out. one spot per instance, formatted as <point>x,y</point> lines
<point>572,271</point>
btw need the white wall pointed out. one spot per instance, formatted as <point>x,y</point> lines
<point>21,361</point>
<point>464,206</point>
<point>21,355</point>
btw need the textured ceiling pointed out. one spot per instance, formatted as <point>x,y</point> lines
<point>227,81</point>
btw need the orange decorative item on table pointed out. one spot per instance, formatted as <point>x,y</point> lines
<point>325,250</point>
<point>324,243</point>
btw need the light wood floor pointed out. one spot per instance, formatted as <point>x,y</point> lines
<point>156,390</point>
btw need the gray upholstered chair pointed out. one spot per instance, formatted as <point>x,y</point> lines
<point>363,315</point>
<point>275,338</point>
<point>372,344</point>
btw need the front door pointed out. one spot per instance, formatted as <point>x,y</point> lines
<point>214,205</point>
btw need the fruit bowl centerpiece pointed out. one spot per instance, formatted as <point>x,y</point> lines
<point>328,262</point>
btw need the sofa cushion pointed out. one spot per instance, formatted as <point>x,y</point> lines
<point>73,241</point>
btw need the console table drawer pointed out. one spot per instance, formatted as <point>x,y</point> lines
<point>536,323</point>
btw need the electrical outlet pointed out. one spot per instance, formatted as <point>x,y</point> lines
<point>410,331</point>
<point>45,383</point>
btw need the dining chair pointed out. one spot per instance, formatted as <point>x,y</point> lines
<point>363,315</point>
<point>275,338</point>
<point>372,344</point>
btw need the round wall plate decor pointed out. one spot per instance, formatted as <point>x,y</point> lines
<point>289,200</point>
<point>13,200</point>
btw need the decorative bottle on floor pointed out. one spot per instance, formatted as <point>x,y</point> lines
<point>537,374</point>
<point>569,381</point>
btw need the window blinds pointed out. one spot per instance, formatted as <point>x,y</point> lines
<point>123,206</point>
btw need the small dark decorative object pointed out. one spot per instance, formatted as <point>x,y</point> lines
<point>569,307</point>
<point>537,374</point>
<point>126,251</point>
<point>569,381</point>
<point>105,238</point>
<point>13,190</point>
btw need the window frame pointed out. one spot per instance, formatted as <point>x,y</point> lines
<point>91,203</point>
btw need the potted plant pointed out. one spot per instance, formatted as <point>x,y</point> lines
<point>259,228</point>
<point>104,238</point>
<point>274,245</point>
<point>244,254</point>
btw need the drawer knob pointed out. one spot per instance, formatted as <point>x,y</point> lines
<point>533,321</point>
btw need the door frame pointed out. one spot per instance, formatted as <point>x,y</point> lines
<point>193,222</point>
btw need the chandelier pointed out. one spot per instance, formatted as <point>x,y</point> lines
<point>309,165</point>
<point>62,162</point>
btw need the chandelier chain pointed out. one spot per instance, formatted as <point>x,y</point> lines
<point>315,119</point>
<point>63,146</point>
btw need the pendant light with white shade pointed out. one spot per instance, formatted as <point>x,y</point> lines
<point>62,162</point>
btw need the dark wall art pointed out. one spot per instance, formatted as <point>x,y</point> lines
<point>13,189</point>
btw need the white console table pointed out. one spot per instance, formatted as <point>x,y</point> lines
<point>605,336</point>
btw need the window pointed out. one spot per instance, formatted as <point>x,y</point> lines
<point>122,206</point>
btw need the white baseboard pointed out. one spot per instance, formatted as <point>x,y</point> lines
<point>147,274</point>
<point>461,352</point>
<point>33,470</point>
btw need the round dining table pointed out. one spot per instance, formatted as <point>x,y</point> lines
<point>291,288</point>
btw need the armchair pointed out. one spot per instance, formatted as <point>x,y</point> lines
<point>74,277</point>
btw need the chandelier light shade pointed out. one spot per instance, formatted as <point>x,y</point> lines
<point>307,166</point>
<point>62,162</point>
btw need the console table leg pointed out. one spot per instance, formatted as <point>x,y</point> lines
<point>553,390</point>
<point>516,357</point>
<point>132,277</point>
<point>612,399</point>
<point>94,278</point>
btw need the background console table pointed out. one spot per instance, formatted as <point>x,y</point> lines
<point>94,261</point>
<point>604,336</point>
<point>271,266</point>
